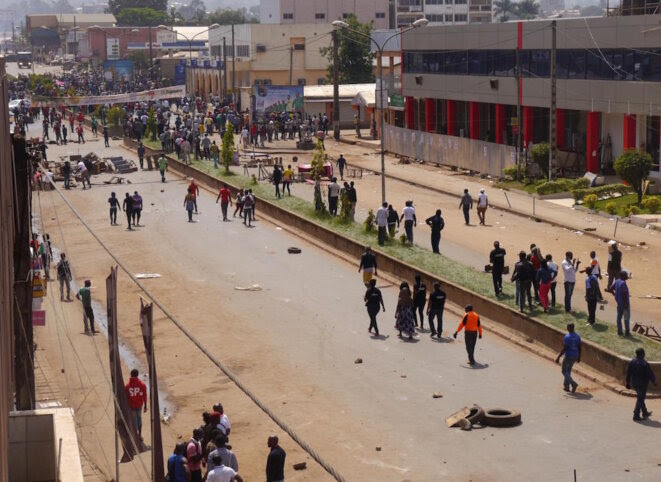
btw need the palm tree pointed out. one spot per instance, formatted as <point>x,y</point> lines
<point>504,9</point>
<point>527,9</point>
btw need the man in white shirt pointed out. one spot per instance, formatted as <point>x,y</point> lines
<point>84,174</point>
<point>221,473</point>
<point>482,205</point>
<point>382,222</point>
<point>333,196</point>
<point>224,422</point>
<point>569,269</point>
<point>408,215</point>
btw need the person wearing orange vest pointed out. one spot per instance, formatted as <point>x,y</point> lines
<point>470,323</point>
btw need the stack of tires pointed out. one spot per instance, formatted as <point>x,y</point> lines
<point>496,417</point>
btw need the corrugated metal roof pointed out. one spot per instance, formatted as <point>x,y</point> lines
<point>84,18</point>
<point>326,91</point>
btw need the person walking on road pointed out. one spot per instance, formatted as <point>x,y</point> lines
<point>333,196</point>
<point>85,296</point>
<point>523,275</point>
<point>544,278</point>
<point>569,269</point>
<point>482,205</point>
<point>436,223</point>
<point>127,206</point>
<point>114,204</point>
<point>435,307</point>
<point>240,196</point>
<point>277,179</point>
<point>497,260</point>
<point>84,174</point>
<point>225,197</point>
<point>591,294</point>
<point>66,172</point>
<point>341,164</point>
<point>466,203</point>
<point>614,264</point>
<point>106,136</point>
<point>404,312</point>
<point>189,204</point>
<point>64,276</point>
<point>374,303</point>
<point>621,292</point>
<point>368,266</point>
<point>472,327</point>
<point>136,391</point>
<point>639,376</point>
<point>408,215</point>
<point>571,349</point>
<point>162,166</point>
<point>248,205</point>
<point>382,223</point>
<point>393,221</point>
<point>141,155</point>
<point>275,462</point>
<point>137,208</point>
<point>195,189</point>
<point>419,300</point>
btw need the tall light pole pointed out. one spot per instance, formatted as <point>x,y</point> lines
<point>213,26</point>
<point>422,22</point>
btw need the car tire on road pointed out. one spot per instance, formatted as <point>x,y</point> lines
<point>294,250</point>
<point>476,415</point>
<point>499,417</point>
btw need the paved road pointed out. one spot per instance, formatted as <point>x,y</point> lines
<point>12,69</point>
<point>295,343</point>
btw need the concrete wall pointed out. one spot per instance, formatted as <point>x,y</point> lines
<point>587,95</point>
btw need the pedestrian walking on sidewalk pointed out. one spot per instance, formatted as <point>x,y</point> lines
<point>374,303</point>
<point>189,204</point>
<point>466,203</point>
<point>382,223</point>
<point>127,207</point>
<point>436,223</point>
<point>368,266</point>
<point>497,260</point>
<point>225,197</point>
<point>472,327</point>
<point>162,166</point>
<point>482,205</point>
<point>571,349</point>
<point>544,279</point>
<point>621,292</point>
<point>614,263</point>
<point>639,376</point>
<point>408,215</point>
<point>591,294</point>
<point>114,204</point>
<point>569,269</point>
<point>85,296</point>
<point>435,307</point>
<point>523,275</point>
<point>341,164</point>
<point>393,221</point>
<point>64,276</point>
<point>419,300</point>
<point>404,312</point>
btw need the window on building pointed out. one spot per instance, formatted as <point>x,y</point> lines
<point>540,63</point>
<point>571,64</point>
<point>321,81</point>
<point>478,62</point>
<point>380,14</point>
<point>432,17</point>
<point>460,17</point>
<point>243,50</point>
<point>301,82</point>
<point>460,2</point>
<point>448,2</point>
<point>288,16</point>
<point>299,46</point>
<point>434,2</point>
<point>504,63</point>
<point>448,18</point>
<point>319,16</point>
<point>260,48</point>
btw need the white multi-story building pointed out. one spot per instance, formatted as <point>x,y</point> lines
<point>444,12</point>
<point>324,11</point>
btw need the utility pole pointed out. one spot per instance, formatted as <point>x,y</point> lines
<point>23,334</point>
<point>291,64</point>
<point>151,57</point>
<point>224,70</point>
<point>336,89</point>
<point>233,70</point>
<point>518,112</point>
<point>553,135</point>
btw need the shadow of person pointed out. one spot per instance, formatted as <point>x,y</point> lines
<point>650,423</point>
<point>380,337</point>
<point>476,366</point>
<point>580,395</point>
<point>443,340</point>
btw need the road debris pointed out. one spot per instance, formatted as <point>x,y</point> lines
<point>648,331</point>
<point>248,288</point>
<point>300,466</point>
<point>437,395</point>
<point>358,361</point>
<point>147,275</point>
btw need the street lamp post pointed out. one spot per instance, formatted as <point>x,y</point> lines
<point>345,26</point>
<point>213,26</point>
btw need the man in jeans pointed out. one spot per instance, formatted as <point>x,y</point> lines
<point>435,307</point>
<point>621,292</point>
<point>569,269</point>
<point>85,296</point>
<point>466,203</point>
<point>639,375</point>
<point>571,349</point>
<point>591,294</point>
<point>382,223</point>
<point>523,274</point>
<point>64,276</point>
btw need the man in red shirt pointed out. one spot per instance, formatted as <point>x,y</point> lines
<point>195,190</point>
<point>225,197</point>
<point>136,391</point>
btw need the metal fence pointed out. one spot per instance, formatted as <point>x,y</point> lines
<point>479,156</point>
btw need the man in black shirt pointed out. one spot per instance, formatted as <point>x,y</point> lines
<point>435,308</point>
<point>114,204</point>
<point>127,206</point>
<point>436,224</point>
<point>373,302</point>
<point>277,179</point>
<point>523,274</point>
<point>497,260</point>
<point>66,172</point>
<point>352,196</point>
<point>341,164</point>
<point>367,265</point>
<point>393,221</point>
<point>275,463</point>
<point>639,375</point>
<point>419,299</point>
<point>614,264</point>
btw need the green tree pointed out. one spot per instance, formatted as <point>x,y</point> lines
<point>152,125</point>
<point>115,115</point>
<point>141,17</point>
<point>355,54</point>
<point>540,156</point>
<point>140,59</point>
<point>227,149</point>
<point>316,171</point>
<point>633,166</point>
<point>117,6</point>
<point>174,17</point>
<point>227,16</point>
<point>504,9</point>
<point>527,9</point>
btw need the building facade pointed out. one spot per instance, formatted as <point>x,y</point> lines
<point>324,11</point>
<point>443,12</point>
<point>460,81</point>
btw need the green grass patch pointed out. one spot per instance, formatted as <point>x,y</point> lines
<point>527,185</point>
<point>601,333</point>
<point>622,202</point>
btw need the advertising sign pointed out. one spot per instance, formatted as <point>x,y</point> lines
<point>180,74</point>
<point>118,69</point>
<point>278,98</point>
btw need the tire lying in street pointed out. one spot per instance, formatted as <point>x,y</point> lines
<point>499,417</point>
<point>293,250</point>
<point>476,415</point>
